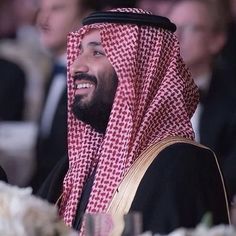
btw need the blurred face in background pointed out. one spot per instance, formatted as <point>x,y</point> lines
<point>233,8</point>
<point>199,42</point>
<point>56,18</point>
<point>158,7</point>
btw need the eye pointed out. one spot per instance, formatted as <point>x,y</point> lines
<point>98,53</point>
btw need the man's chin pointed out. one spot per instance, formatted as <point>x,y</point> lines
<point>94,123</point>
<point>83,102</point>
<point>96,118</point>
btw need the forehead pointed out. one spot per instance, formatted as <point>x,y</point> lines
<point>91,36</point>
<point>190,12</point>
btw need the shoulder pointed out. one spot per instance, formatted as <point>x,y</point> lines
<point>180,187</point>
<point>185,148</point>
<point>11,72</point>
<point>10,65</point>
<point>183,169</point>
<point>184,164</point>
<point>184,155</point>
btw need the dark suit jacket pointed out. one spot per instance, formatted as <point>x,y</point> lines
<point>179,187</point>
<point>218,121</point>
<point>12,90</point>
<point>3,176</point>
<point>50,149</point>
<point>228,54</point>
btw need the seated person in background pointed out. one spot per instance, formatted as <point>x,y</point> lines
<point>12,88</point>
<point>228,55</point>
<point>55,19</point>
<point>202,31</point>
<point>130,100</point>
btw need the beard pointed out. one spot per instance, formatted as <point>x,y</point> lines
<point>96,112</point>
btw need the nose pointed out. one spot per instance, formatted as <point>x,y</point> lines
<point>42,19</point>
<point>79,66</point>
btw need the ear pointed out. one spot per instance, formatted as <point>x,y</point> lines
<point>217,42</point>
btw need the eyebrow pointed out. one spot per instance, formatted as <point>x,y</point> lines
<point>94,44</point>
<point>91,44</point>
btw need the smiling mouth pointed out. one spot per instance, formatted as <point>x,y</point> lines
<point>83,87</point>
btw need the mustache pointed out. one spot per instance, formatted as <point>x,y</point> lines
<point>85,76</point>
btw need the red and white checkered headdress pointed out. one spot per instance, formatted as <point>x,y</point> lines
<point>155,98</point>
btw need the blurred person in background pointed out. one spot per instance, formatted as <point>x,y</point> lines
<point>19,44</point>
<point>25,12</point>
<point>19,67</point>
<point>202,33</point>
<point>233,8</point>
<point>7,20</point>
<point>158,7</point>
<point>37,61</point>
<point>13,79</point>
<point>228,55</point>
<point>55,19</point>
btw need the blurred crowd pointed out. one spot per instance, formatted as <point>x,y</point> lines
<point>33,95</point>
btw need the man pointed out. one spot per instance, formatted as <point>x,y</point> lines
<point>201,30</point>
<point>55,19</point>
<point>130,97</point>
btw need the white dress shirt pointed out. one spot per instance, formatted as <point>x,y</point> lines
<point>203,83</point>
<point>56,89</point>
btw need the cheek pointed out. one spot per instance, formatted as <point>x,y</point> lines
<point>58,36</point>
<point>104,72</point>
<point>193,45</point>
<point>63,22</point>
<point>107,83</point>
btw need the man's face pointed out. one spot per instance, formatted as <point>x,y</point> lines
<point>55,19</point>
<point>194,32</point>
<point>95,83</point>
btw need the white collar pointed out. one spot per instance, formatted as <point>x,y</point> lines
<point>203,81</point>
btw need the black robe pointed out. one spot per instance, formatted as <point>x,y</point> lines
<point>181,185</point>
